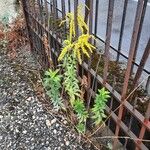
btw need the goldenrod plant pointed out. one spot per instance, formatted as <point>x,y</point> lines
<point>69,57</point>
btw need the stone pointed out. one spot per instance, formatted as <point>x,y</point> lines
<point>53,121</point>
<point>24,131</point>
<point>67,143</point>
<point>65,122</point>
<point>54,131</point>
<point>48,123</point>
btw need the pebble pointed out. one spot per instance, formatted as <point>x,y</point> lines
<point>24,132</point>
<point>48,123</point>
<point>53,121</point>
<point>1,137</point>
<point>54,131</point>
<point>67,143</point>
<point>65,122</point>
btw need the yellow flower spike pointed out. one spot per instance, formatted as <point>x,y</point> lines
<point>82,24</point>
<point>84,50</point>
<point>76,48</point>
<point>64,51</point>
<point>90,47</point>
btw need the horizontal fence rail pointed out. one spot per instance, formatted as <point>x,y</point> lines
<point>119,68</point>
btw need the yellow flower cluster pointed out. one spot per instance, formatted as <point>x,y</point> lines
<point>82,44</point>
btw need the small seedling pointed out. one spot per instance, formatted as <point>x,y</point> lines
<point>82,114</point>
<point>99,106</point>
<point>52,84</point>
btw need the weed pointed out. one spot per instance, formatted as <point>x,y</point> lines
<point>70,56</point>
<point>52,84</point>
<point>82,114</point>
<point>99,106</point>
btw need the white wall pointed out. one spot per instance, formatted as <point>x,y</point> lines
<point>7,8</point>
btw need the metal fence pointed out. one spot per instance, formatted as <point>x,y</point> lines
<point>121,73</point>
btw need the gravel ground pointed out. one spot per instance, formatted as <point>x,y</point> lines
<point>24,123</point>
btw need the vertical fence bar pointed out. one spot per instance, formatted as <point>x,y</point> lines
<point>69,7</point>
<point>148,84</point>
<point>35,11</point>
<point>63,17</point>
<point>142,132</point>
<point>90,59</point>
<point>96,17</point>
<point>26,16</point>
<point>95,33</point>
<point>111,99</point>
<point>108,37</point>
<point>40,9</point>
<point>87,6</point>
<point>55,9</point>
<point>129,64</point>
<point>142,64</point>
<point>122,28</point>
<point>140,29</point>
<point>76,24</point>
<point>75,17</point>
<point>46,9</point>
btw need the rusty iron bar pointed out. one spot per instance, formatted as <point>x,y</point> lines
<point>131,121</point>
<point>87,5</point>
<point>142,64</point>
<point>143,129</point>
<point>34,9</point>
<point>112,99</point>
<point>63,9</point>
<point>122,28</point>
<point>40,9</point>
<point>63,17</point>
<point>140,30</point>
<point>90,59</point>
<point>75,18</point>
<point>55,9</point>
<point>27,21</point>
<point>97,65</point>
<point>46,10</point>
<point>129,64</point>
<point>108,37</point>
<point>148,84</point>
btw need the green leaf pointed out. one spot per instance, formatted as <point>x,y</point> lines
<point>81,127</point>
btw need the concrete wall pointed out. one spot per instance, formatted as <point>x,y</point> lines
<point>7,9</point>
